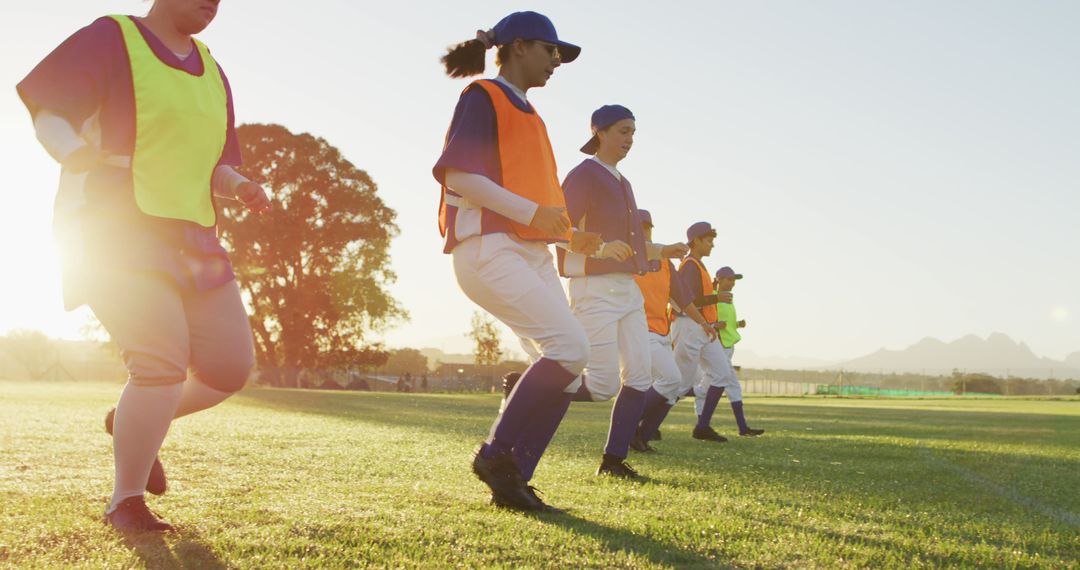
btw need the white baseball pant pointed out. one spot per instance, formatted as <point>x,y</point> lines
<point>667,380</point>
<point>516,282</point>
<point>695,353</point>
<point>729,381</point>
<point>612,310</point>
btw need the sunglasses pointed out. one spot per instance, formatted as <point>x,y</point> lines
<point>552,49</point>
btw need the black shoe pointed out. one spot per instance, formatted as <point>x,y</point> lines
<point>639,444</point>
<point>751,432</point>
<point>617,467</point>
<point>501,474</point>
<point>708,434</point>
<point>510,379</point>
<point>157,484</point>
<point>132,515</point>
<point>532,491</point>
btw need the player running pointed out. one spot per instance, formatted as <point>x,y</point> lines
<point>662,288</point>
<point>501,206</point>
<point>140,118</point>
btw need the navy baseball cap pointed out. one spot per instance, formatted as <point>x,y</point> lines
<point>699,229</point>
<point>603,118</point>
<point>532,26</point>
<point>725,272</point>
<point>645,216</point>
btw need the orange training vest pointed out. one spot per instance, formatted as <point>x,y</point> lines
<point>526,159</point>
<point>656,288</point>
<point>708,311</point>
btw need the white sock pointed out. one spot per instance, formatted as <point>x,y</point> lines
<point>198,397</point>
<point>142,420</point>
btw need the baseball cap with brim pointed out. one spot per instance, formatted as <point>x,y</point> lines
<point>645,217</point>
<point>726,272</point>
<point>603,118</point>
<point>533,26</point>
<point>699,229</point>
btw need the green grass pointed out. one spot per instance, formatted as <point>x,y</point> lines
<point>277,478</point>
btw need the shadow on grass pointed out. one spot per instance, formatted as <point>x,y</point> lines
<point>832,429</point>
<point>187,551</point>
<point>617,540</point>
<point>437,413</point>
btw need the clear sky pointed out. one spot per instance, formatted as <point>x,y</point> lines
<point>880,171</point>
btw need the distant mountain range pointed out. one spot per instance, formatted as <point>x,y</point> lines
<point>997,354</point>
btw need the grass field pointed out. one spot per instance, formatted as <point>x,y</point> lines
<point>282,478</point>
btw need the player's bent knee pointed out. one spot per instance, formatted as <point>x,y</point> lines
<point>574,366</point>
<point>641,384</point>
<point>147,369</point>
<point>573,353</point>
<point>603,396</point>
<point>602,391</point>
<point>156,380</point>
<point>228,376</point>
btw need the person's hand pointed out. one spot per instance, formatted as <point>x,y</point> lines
<point>675,251</point>
<point>721,325</point>
<point>723,296</point>
<point>253,197</point>
<point>709,331</point>
<point>585,243</point>
<point>84,158</point>
<point>617,250</point>
<point>551,220</point>
<point>742,324</point>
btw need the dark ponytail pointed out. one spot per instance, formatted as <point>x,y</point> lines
<point>465,59</point>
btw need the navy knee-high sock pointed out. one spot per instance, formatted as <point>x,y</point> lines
<point>656,409</point>
<point>539,387</point>
<point>625,415</point>
<point>740,418</point>
<point>534,441</point>
<point>712,398</point>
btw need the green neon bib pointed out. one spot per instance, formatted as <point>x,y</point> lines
<point>180,125</point>
<point>729,335</point>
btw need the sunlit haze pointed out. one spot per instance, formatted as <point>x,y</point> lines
<point>879,171</point>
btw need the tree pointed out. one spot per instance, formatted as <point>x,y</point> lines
<point>485,334</point>
<point>406,360</point>
<point>315,269</point>
<point>975,383</point>
<point>35,351</point>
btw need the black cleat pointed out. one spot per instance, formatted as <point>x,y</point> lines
<point>157,484</point>
<point>617,467</point>
<point>639,444</point>
<point>542,508</point>
<point>708,434</point>
<point>503,477</point>
<point>132,515</point>
<point>751,432</point>
<point>509,380</point>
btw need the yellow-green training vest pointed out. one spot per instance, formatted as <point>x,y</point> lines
<point>180,125</point>
<point>729,335</point>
